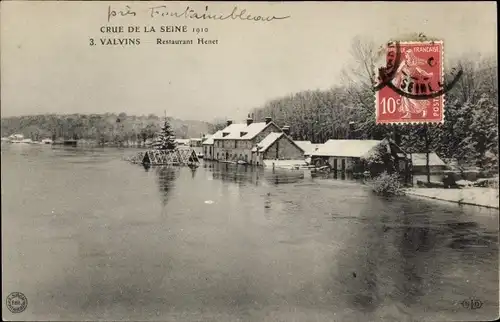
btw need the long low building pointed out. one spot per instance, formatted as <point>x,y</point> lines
<point>252,142</point>
<point>437,167</point>
<point>355,155</point>
<point>308,147</point>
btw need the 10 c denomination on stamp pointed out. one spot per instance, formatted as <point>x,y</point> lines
<point>411,88</point>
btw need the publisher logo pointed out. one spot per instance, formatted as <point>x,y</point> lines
<point>472,304</point>
<point>17,302</point>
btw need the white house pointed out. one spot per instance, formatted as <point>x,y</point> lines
<point>208,145</point>
<point>353,155</point>
<point>254,142</point>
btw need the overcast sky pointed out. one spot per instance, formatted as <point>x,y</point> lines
<point>47,65</point>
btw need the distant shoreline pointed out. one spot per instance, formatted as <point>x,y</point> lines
<point>103,128</point>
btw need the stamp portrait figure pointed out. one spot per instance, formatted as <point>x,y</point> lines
<point>411,68</point>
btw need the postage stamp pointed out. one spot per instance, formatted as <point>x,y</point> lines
<point>410,89</point>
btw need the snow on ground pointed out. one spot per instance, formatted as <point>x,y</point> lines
<point>487,197</point>
<point>285,164</point>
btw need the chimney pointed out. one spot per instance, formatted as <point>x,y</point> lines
<point>249,120</point>
<point>229,122</point>
<point>268,120</point>
<point>286,129</point>
<point>351,134</point>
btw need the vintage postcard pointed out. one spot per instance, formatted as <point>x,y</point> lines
<point>249,161</point>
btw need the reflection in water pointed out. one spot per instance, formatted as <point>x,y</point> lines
<point>323,250</point>
<point>285,176</point>
<point>267,203</point>
<point>166,176</point>
<point>415,239</point>
<point>394,253</point>
<point>239,174</point>
<point>468,235</point>
<point>193,171</point>
<point>242,175</point>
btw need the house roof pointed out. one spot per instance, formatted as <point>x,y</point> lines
<point>307,146</point>
<point>250,131</point>
<point>269,140</point>
<point>233,131</point>
<point>211,138</point>
<point>345,148</point>
<point>419,159</point>
<point>253,129</point>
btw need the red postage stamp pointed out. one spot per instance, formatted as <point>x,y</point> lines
<point>410,88</point>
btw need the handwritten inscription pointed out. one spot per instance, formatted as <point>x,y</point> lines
<point>191,13</point>
<point>119,35</point>
<point>126,12</point>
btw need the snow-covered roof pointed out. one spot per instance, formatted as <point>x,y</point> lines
<point>269,140</point>
<point>211,138</point>
<point>345,148</point>
<point>249,131</point>
<point>252,130</point>
<point>307,146</point>
<point>233,131</point>
<point>182,141</point>
<point>208,137</point>
<point>419,159</point>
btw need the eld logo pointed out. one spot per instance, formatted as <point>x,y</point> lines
<point>472,304</point>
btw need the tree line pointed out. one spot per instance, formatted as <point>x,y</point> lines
<point>469,133</point>
<point>100,128</point>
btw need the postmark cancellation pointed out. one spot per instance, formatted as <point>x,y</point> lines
<point>410,88</point>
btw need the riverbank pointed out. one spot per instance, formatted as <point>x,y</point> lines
<point>483,197</point>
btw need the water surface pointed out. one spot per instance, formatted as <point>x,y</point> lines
<point>87,236</point>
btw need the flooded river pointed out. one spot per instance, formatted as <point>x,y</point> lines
<point>87,236</point>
